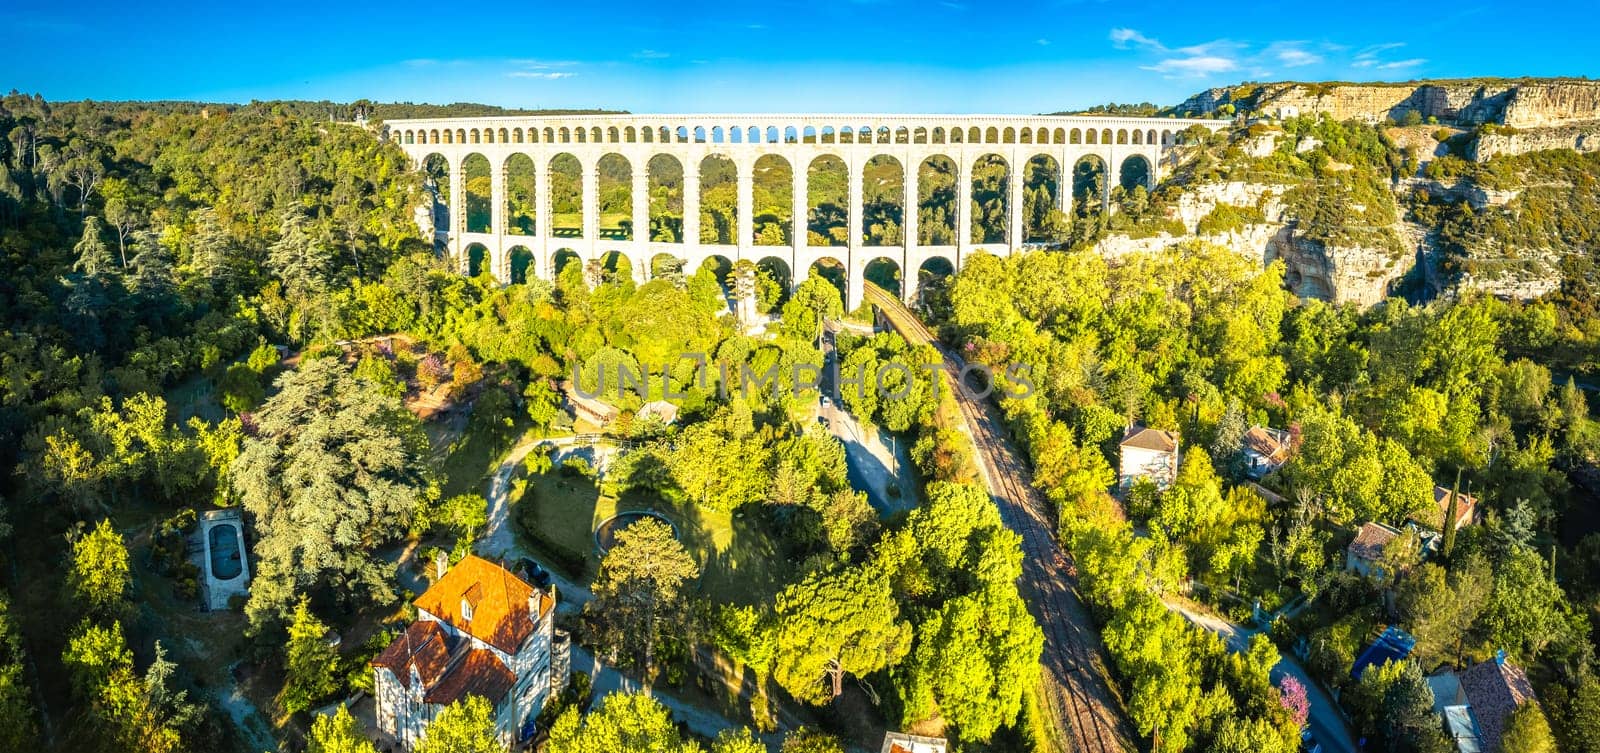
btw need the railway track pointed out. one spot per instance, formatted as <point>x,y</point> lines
<point>1085,710</point>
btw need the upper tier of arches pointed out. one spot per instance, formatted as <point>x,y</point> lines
<point>843,130</point>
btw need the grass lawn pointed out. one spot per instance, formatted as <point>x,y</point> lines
<point>570,224</point>
<point>740,561</point>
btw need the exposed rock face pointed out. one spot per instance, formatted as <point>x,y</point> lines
<point>1553,103</point>
<point>1520,103</point>
<point>1311,269</point>
<point>1476,196</point>
<point>1199,200</point>
<point>1583,137</point>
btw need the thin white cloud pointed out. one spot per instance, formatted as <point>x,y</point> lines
<point>542,75</point>
<point>1193,67</point>
<point>651,55</point>
<point>1294,58</point>
<point>1408,63</point>
<point>1042,42</point>
<point>1373,49</point>
<point>533,64</point>
<point>1126,38</point>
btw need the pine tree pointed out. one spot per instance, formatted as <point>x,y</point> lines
<point>1450,518</point>
<point>95,259</point>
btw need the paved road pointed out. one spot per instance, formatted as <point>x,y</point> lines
<point>499,540</point>
<point>1326,721</point>
<point>1079,691</point>
<point>873,465</point>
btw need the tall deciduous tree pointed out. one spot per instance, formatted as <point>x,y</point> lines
<point>100,574</point>
<point>309,662</point>
<point>339,733</point>
<point>466,726</point>
<point>624,723</point>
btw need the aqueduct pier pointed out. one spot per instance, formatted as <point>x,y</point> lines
<point>960,143</point>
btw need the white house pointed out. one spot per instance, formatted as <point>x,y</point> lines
<point>1148,453</point>
<point>900,742</point>
<point>479,631</point>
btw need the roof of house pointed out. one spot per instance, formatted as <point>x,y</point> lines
<point>596,406</point>
<point>424,645</point>
<point>1370,540</point>
<point>900,742</point>
<point>1465,510</point>
<point>1392,645</point>
<point>1268,443</point>
<point>1146,438</point>
<point>1462,729</point>
<point>497,600</point>
<point>479,673</point>
<point>661,409</point>
<point>1494,689</point>
<point>1446,687</point>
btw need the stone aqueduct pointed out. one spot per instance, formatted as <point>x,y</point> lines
<point>743,139</point>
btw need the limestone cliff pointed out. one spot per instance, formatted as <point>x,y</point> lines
<point>1312,269</point>
<point>1583,137</point>
<point>1522,103</point>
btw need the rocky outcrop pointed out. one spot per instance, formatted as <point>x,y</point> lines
<point>1584,137</point>
<point>1553,103</point>
<point>1475,195</point>
<point>1200,200</point>
<point>1514,102</point>
<point>1311,269</point>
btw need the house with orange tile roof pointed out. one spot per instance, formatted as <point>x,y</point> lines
<point>480,630</point>
<point>1466,510</point>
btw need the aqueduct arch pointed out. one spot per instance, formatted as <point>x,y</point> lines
<point>584,186</point>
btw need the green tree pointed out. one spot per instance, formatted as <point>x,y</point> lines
<point>813,301</point>
<point>975,660</point>
<point>297,257</point>
<point>100,575</point>
<point>1440,607</point>
<point>638,593</point>
<point>624,723</point>
<point>339,733</point>
<point>834,624</point>
<point>126,711</point>
<point>1527,610</point>
<point>18,731</point>
<point>806,740</point>
<point>1527,731</point>
<point>95,260</point>
<point>309,662</point>
<point>335,468</point>
<point>466,726</point>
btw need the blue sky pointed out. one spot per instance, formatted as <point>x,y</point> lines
<point>779,55</point>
